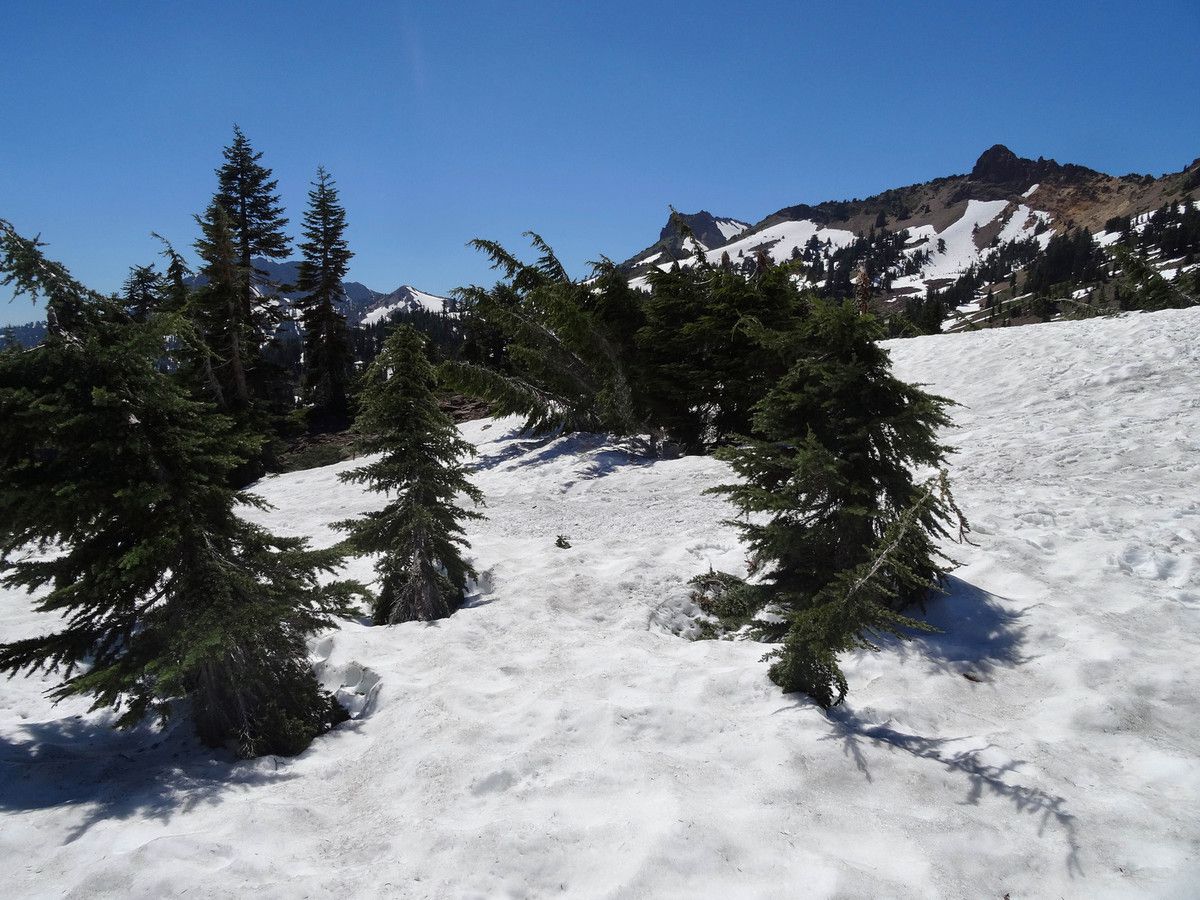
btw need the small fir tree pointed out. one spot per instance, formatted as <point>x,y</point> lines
<point>419,533</point>
<point>827,476</point>
<point>327,353</point>
<point>700,368</point>
<point>162,588</point>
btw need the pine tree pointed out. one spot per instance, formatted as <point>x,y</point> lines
<point>419,533</point>
<point>217,311</point>
<point>327,352</point>
<point>141,291</point>
<point>247,192</point>
<point>828,472</point>
<point>700,368</point>
<point>162,588</point>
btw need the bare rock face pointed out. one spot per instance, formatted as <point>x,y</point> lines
<point>999,165</point>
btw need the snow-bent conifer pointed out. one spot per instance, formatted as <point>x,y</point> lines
<point>419,533</point>
<point>843,532</point>
<point>114,498</point>
<point>554,350</point>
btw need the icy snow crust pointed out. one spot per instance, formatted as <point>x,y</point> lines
<point>554,738</point>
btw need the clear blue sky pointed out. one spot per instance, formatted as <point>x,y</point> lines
<point>442,121</point>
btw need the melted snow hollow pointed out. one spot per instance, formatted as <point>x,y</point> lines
<point>555,737</point>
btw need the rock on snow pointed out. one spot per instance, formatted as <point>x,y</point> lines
<point>555,738</point>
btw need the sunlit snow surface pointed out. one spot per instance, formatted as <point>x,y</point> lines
<point>414,301</point>
<point>555,739</point>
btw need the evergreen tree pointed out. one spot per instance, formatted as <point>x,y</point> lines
<point>162,588</point>
<point>825,477</point>
<point>552,349</point>
<point>327,352</point>
<point>226,335</point>
<point>247,192</point>
<point>141,291</point>
<point>701,369</point>
<point>419,533</point>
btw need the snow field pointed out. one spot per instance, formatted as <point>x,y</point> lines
<point>555,738</point>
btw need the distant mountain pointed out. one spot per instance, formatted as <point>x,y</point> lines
<point>950,224</point>
<point>404,298</point>
<point>711,231</point>
<point>28,335</point>
<point>363,306</point>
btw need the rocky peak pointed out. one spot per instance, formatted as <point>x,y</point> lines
<point>999,165</point>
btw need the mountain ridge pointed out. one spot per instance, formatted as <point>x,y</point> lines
<point>1003,196</point>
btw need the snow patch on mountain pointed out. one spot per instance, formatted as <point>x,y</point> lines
<point>731,227</point>
<point>961,249</point>
<point>1023,223</point>
<point>406,298</point>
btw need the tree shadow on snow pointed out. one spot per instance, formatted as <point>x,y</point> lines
<point>606,461</point>
<point>977,633</point>
<point>514,449</point>
<point>982,777</point>
<point>602,453</point>
<point>116,775</point>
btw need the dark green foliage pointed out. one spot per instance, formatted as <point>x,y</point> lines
<point>443,333</point>
<point>224,359</point>
<point>551,349</point>
<point>725,597</point>
<point>327,353</point>
<point>701,364</point>
<point>142,291</point>
<point>117,480</point>
<point>854,609</point>
<point>227,340</point>
<point>1069,259</point>
<point>1144,288</point>
<point>1173,230</point>
<point>255,224</point>
<point>248,192</point>
<point>681,363</point>
<point>922,315</point>
<point>829,471</point>
<point>419,533</point>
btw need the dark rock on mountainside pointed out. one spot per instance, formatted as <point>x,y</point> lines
<point>999,165</point>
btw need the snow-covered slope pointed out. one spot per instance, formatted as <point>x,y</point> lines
<point>951,251</point>
<point>556,738</point>
<point>406,298</point>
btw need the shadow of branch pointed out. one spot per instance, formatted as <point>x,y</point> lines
<point>982,777</point>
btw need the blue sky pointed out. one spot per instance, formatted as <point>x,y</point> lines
<point>442,121</point>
